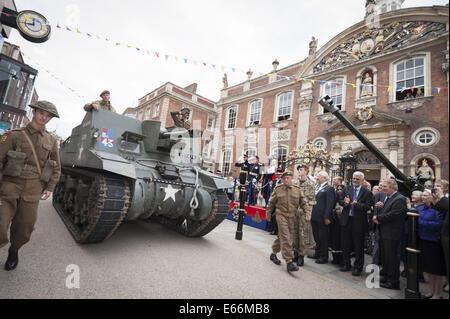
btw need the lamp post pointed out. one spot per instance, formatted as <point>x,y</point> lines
<point>241,214</point>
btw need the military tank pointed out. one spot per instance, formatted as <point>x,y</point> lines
<point>116,169</point>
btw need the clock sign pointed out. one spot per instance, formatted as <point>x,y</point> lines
<point>33,26</point>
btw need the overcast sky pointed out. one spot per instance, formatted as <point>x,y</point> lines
<point>233,33</point>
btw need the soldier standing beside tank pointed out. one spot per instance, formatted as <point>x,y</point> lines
<point>29,170</point>
<point>181,119</point>
<point>103,104</point>
<point>285,200</point>
<point>303,217</point>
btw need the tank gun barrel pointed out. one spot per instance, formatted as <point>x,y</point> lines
<point>411,183</point>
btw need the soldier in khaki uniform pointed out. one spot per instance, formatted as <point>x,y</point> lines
<point>29,170</point>
<point>103,104</point>
<point>181,119</point>
<point>302,217</point>
<point>284,202</point>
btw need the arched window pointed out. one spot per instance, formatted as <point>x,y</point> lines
<point>334,90</point>
<point>410,78</point>
<point>255,108</point>
<point>280,153</point>
<point>284,106</point>
<point>226,161</point>
<point>231,117</point>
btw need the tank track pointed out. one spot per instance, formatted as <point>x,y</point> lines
<point>107,203</point>
<point>192,228</point>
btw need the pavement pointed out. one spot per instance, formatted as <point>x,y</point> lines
<point>146,260</point>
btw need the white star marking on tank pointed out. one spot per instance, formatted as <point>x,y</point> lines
<point>170,192</point>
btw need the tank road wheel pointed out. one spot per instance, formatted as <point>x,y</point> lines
<point>191,228</point>
<point>95,210</point>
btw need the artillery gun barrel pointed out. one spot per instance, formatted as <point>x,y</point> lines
<point>327,104</point>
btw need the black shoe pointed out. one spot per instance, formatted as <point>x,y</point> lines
<point>275,259</point>
<point>300,261</point>
<point>313,256</point>
<point>390,285</point>
<point>321,261</point>
<point>345,268</point>
<point>273,233</point>
<point>12,261</point>
<point>403,273</point>
<point>292,266</point>
<point>356,272</point>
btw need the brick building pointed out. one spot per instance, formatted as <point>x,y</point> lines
<point>387,73</point>
<point>169,97</point>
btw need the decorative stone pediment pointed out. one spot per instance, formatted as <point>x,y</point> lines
<point>280,136</point>
<point>374,120</point>
<point>410,104</point>
<point>369,43</point>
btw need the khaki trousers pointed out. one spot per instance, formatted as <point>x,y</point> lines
<point>20,201</point>
<point>283,241</point>
<point>299,235</point>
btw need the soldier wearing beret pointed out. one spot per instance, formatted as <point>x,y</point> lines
<point>103,104</point>
<point>302,217</point>
<point>285,200</point>
<point>29,170</point>
<point>181,119</point>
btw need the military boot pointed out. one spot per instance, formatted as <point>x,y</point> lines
<point>275,259</point>
<point>12,261</point>
<point>292,267</point>
<point>300,260</point>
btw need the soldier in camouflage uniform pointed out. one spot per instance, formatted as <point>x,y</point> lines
<point>103,104</point>
<point>284,202</point>
<point>29,170</point>
<point>302,217</point>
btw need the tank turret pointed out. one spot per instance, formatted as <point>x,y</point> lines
<point>115,169</point>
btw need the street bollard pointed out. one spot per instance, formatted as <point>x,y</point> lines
<point>412,280</point>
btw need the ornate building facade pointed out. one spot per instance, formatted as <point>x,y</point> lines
<point>388,74</point>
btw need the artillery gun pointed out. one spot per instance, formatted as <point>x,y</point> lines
<point>407,184</point>
<point>115,169</point>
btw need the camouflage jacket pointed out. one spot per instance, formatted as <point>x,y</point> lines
<point>179,122</point>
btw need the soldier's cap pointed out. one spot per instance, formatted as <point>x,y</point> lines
<point>185,110</point>
<point>279,170</point>
<point>246,155</point>
<point>218,171</point>
<point>105,92</point>
<point>287,173</point>
<point>302,166</point>
<point>46,106</point>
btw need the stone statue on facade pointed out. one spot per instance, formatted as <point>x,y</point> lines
<point>225,81</point>
<point>312,46</point>
<point>367,89</point>
<point>425,171</point>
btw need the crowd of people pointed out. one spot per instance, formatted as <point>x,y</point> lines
<point>355,220</point>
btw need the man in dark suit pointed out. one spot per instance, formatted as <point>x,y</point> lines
<point>391,220</point>
<point>378,199</point>
<point>321,215</point>
<point>356,200</point>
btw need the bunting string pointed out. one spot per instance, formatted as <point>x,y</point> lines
<point>221,68</point>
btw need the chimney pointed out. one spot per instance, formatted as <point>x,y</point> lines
<point>191,88</point>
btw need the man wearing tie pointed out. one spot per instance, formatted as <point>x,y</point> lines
<point>391,220</point>
<point>356,200</point>
<point>321,215</point>
<point>379,202</point>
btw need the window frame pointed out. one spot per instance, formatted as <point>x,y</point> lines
<point>156,109</point>
<point>223,160</point>
<point>276,155</point>
<point>393,74</point>
<point>227,119</point>
<point>249,113</point>
<point>277,109</point>
<point>343,93</point>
